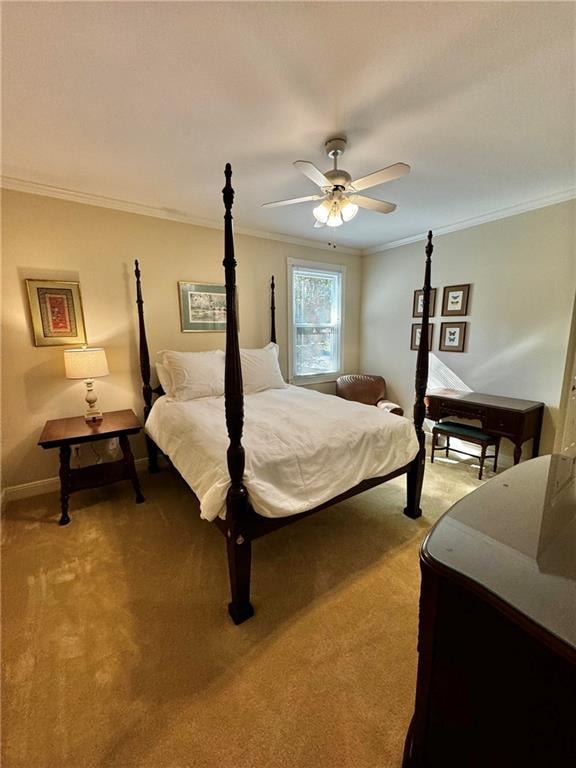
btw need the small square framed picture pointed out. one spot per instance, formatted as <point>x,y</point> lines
<point>455,300</point>
<point>418,303</point>
<point>452,337</point>
<point>416,333</point>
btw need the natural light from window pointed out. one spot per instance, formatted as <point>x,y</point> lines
<point>315,320</point>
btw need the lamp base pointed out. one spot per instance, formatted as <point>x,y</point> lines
<point>94,415</point>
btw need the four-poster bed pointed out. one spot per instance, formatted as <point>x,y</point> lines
<point>242,524</point>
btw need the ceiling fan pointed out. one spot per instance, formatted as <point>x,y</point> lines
<point>340,198</point>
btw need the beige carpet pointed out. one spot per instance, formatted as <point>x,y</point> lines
<point>118,651</point>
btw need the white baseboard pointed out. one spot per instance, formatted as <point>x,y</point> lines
<point>52,484</point>
<point>35,488</point>
<point>38,487</point>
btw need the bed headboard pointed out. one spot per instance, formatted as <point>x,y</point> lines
<point>272,310</point>
<point>148,391</point>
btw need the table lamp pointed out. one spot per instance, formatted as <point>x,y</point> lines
<point>87,363</point>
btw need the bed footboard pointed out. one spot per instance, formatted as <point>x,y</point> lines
<point>415,476</point>
<point>239,551</point>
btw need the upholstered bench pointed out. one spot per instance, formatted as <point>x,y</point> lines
<point>468,435</point>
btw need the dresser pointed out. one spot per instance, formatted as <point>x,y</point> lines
<point>518,420</point>
<point>496,684</point>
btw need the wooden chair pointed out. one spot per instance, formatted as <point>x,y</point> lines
<point>467,434</point>
<point>367,389</point>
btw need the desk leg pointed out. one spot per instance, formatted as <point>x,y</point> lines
<point>65,452</point>
<point>130,468</point>
<point>517,452</point>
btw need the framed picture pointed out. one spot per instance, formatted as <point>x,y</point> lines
<point>452,337</point>
<point>202,307</point>
<point>56,310</point>
<point>455,300</point>
<point>418,303</point>
<point>415,336</point>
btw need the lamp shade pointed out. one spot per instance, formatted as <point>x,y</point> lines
<point>85,363</point>
<point>322,212</point>
<point>348,209</point>
<point>335,218</point>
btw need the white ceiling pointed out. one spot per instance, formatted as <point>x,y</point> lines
<point>145,102</point>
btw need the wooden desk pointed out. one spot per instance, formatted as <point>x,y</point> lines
<point>518,420</point>
<point>497,637</point>
<point>64,433</point>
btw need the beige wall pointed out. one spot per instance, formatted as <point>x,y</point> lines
<point>48,238</point>
<point>523,275</point>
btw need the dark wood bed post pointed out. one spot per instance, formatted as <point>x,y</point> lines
<point>272,310</point>
<point>415,476</point>
<point>147,390</point>
<point>239,545</point>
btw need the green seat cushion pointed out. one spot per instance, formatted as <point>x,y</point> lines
<point>463,431</point>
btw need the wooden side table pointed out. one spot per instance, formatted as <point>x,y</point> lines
<point>64,433</point>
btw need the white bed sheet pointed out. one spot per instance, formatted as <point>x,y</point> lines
<point>302,447</point>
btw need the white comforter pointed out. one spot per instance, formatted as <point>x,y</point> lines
<point>302,447</point>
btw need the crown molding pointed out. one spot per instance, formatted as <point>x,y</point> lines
<point>170,214</point>
<point>140,209</point>
<point>475,221</point>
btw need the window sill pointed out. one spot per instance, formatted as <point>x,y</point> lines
<point>302,381</point>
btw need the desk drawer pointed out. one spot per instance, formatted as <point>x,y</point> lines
<point>437,409</point>
<point>504,422</point>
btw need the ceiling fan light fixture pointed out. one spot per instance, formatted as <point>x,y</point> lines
<point>322,212</point>
<point>335,218</point>
<point>348,210</point>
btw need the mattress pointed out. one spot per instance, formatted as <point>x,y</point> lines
<point>302,447</point>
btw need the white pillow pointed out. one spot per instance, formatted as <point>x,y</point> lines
<point>195,374</point>
<point>260,369</point>
<point>164,378</point>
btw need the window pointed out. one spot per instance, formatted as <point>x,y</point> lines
<point>315,320</point>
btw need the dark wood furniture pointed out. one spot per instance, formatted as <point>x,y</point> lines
<point>468,434</point>
<point>497,641</point>
<point>64,433</point>
<point>242,525</point>
<point>368,389</point>
<point>517,420</point>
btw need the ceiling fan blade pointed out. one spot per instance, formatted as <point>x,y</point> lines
<point>379,177</point>
<point>292,201</point>
<point>381,206</point>
<point>310,170</point>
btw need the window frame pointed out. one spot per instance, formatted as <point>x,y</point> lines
<point>320,266</point>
